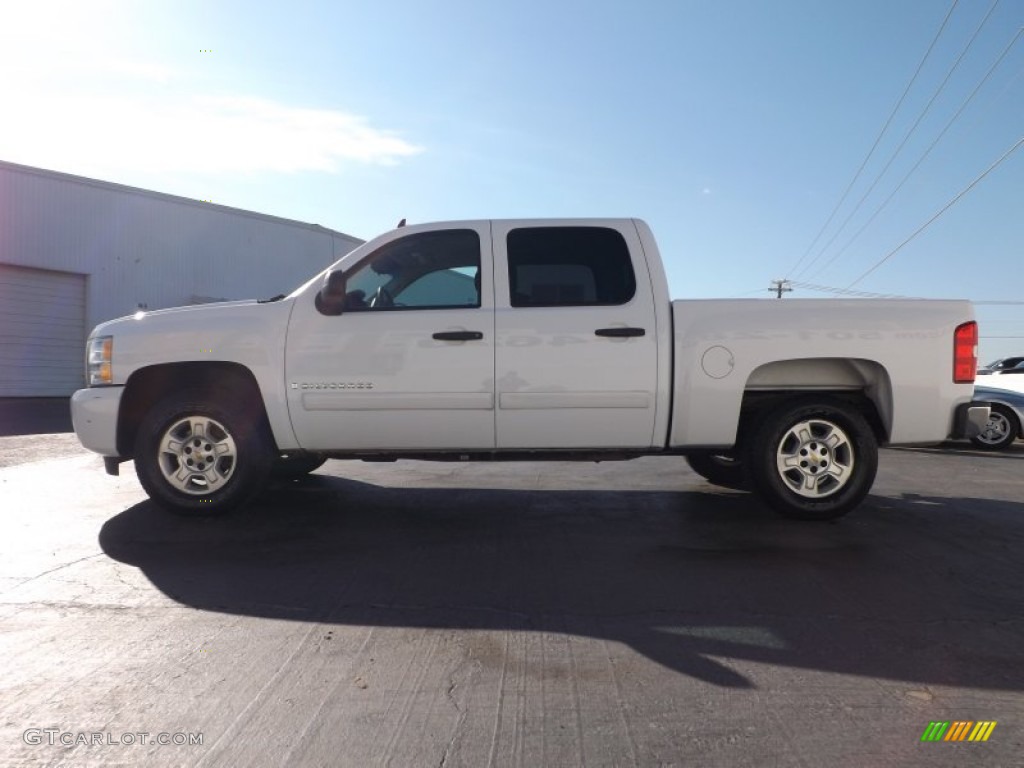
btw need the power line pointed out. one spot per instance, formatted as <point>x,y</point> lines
<point>875,295</point>
<point>941,211</point>
<point>927,152</point>
<point>878,140</point>
<point>906,138</point>
<point>847,292</point>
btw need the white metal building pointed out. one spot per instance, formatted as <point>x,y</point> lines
<point>75,252</point>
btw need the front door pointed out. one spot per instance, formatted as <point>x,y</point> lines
<point>408,364</point>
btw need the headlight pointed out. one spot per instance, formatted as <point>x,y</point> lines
<point>99,357</point>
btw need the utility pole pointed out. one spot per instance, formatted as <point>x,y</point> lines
<point>780,287</point>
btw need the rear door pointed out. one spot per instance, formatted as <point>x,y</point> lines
<point>576,352</point>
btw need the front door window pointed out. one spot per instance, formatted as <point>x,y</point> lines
<point>430,270</point>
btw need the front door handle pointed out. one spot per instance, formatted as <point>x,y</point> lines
<point>620,332</point>
<point>458,335</point>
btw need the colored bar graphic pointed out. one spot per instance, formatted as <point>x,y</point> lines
<point>958,730</point>
<point>982,730</point>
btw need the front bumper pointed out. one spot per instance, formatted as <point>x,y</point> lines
<point>970,419</point>
<point>94,416</point>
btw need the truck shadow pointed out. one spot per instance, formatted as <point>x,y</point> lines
<point>963,448</point>
<point>708,584</point>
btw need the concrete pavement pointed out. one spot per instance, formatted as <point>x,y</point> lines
<point>539,614</point>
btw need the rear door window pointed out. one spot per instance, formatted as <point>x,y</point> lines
<point>569,267</point>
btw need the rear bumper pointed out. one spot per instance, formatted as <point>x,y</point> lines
<point>970,419</point>
<point>94,417</point>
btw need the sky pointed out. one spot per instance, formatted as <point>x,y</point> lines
<point>735,128</point>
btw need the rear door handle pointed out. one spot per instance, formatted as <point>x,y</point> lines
<point>458,335</point>
<point>620,332</point>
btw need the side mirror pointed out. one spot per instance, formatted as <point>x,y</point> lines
<point>330,299</point>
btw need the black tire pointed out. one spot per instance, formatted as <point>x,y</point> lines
<point>296,465</point>
<point>1000,432</point>
<point>215,457</point>
<point>792,465</point>
<point>719,469</point>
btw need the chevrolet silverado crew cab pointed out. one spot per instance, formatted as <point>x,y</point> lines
<point>534,339</point>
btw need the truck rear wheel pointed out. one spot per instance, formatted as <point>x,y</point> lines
<point>719,469</point>
<point>813,459</point>
<point>195,456</point>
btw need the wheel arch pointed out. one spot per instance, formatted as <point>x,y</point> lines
<point>149,385</point>
<point>864,384</point>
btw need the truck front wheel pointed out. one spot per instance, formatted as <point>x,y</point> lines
<point>196,456</point>
<point>813,459</point>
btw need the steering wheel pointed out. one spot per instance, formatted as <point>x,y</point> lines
<point>382,298</point>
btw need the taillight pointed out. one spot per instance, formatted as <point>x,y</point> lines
<point>965,353</point>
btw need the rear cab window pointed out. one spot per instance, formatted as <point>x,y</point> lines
<point>569,266</point>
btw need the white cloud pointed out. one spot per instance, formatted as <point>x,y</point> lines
<point>75,102</point>
<point>83,133</point>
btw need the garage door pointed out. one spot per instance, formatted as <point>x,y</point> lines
<point>42,332</point>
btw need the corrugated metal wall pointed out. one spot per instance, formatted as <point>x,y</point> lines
<point>141,247</point>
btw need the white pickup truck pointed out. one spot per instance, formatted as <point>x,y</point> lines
<point>532,339</point>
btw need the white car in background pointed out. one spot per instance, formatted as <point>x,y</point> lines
<point>1011,379</point>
